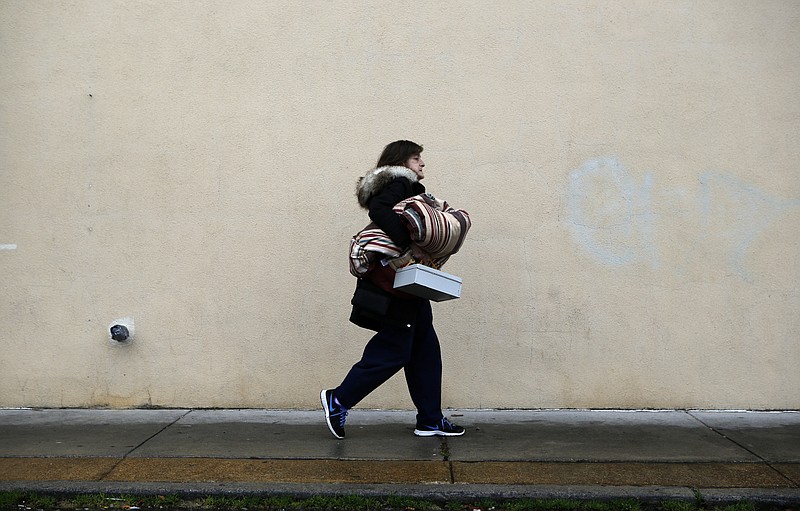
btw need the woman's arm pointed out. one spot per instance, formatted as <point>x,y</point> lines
<point>380,211</point>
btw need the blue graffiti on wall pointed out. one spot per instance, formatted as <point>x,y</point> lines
<point>613,217</point>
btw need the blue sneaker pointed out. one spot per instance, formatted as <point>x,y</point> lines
<point>335,414</point>
<point>443,428</point>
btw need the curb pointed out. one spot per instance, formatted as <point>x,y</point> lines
<point>441,493</point>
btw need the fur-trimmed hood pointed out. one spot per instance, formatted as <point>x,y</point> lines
<point>376,179</point>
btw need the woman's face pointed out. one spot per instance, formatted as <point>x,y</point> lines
<point>416,165</point>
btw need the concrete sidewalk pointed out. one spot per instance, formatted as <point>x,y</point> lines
<point>504,454</point>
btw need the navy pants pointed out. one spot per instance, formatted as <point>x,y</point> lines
<point>416,351</point>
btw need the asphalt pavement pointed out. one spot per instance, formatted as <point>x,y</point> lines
<point>716,455</point>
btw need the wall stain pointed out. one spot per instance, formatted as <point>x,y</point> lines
<point>615,219</point>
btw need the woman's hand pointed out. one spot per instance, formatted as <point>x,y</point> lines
<point>419,254</point>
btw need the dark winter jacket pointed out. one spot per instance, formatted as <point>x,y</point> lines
<point>374,306</point>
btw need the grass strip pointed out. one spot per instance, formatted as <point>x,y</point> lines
<point>30,501</point>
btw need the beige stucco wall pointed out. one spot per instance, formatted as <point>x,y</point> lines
<point>631,169</point>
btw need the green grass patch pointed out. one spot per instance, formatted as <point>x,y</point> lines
<point>566,505</point>
<point>24,501</point>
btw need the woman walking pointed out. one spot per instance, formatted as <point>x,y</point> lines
<point>405,337</point>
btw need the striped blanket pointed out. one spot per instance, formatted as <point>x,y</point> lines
<point>433,225</point>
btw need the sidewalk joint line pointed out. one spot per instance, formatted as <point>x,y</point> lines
<point>734,442</point>
<point>445,450</point>
<point>125,456</point>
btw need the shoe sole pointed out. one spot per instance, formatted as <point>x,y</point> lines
<point>323,399</point>
<point>436,433</point>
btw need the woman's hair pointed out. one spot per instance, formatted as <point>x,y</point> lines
<point>398,153</point>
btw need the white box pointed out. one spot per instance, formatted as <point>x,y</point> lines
<point>425,282</point>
